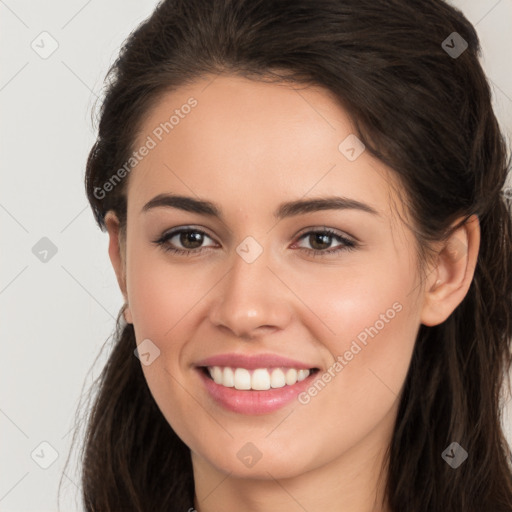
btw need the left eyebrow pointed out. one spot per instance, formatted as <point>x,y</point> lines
<point>288,209</point>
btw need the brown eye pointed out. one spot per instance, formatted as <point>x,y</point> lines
<point>186,241</point>
<point>191,239</point>
<point>320,242</point>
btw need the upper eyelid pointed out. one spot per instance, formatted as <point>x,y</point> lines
<point>176,231</point>
<point>327,230</point>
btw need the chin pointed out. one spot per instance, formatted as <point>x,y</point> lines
<point>261,462</point>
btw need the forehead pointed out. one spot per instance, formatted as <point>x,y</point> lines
<point>231,136</point>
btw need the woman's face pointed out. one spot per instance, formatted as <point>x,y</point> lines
<point>259,292</point>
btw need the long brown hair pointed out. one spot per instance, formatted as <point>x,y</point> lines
<point>425,113</point>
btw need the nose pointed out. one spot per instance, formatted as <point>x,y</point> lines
<point>252,300</point>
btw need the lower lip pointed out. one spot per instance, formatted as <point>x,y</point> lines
<point>254,402</point>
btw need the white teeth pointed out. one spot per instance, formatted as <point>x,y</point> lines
<point>277,379</point>
<point>259,380</point>
<point>217,374</point>
<point>242,378</point>
<point>302,374</point>
<point>228,378</point>
<point>291,376</point>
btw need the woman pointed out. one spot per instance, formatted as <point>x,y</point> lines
<point>306,213</point>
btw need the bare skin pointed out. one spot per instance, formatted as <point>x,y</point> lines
<point>247,147</point>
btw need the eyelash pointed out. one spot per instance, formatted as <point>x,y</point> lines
<point>348,245</point>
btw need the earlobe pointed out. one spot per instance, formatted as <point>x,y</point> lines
<point>449,281</point>
<point>117,257</point>
<point>127,314</point>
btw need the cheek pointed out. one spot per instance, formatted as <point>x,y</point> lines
<point>161,295</point>
<point>375,327</point>
<point>162,299</point>
<point>372,350</point>
<point>368,321</point>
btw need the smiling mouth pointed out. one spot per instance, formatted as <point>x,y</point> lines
<point>259,379</point>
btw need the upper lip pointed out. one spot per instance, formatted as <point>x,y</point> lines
<point>252,362</point>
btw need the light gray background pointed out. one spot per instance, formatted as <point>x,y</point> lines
<point>56,316</point>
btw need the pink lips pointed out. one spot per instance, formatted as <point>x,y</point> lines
<point>251,401</point>
<point>252,362</point>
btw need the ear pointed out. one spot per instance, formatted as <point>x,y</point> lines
<point>116,252</point>
<point>448,282</point>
